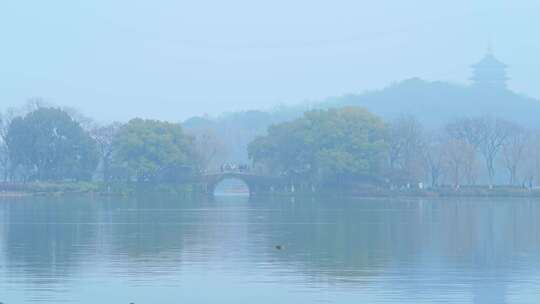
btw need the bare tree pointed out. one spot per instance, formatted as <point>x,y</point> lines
<point>4,160</point>
<point>5,122</point>
<point>104,137</point>
<point>513,151</point>
<point>471,167</point>
<point>406,145</point>
<point>207,144</point>
<point>433,154</point>
<point>470,130</point>
<point>530,169</point>
<point>459,156</point>
<point>495,133</point>
<point>485,134</point>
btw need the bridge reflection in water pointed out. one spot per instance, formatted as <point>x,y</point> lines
<point>231,187</point>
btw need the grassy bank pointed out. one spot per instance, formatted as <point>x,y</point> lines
<point>95,188</point>
<point>47,188</point>
<point>128,189</point>
<point>471,191</point>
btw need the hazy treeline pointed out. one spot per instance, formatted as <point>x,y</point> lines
<point>226,138</point>
<point>466,151</point>
<point>349,146</point>
<point>45,143</point>
<point>433,103</point>
<point>337,147</point>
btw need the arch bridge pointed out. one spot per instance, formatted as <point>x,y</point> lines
<point>256,183</point>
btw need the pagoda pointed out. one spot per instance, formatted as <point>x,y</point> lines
<point>489,73</point>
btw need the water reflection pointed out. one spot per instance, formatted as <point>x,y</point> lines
<point>384,251</point>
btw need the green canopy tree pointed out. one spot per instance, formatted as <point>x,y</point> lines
<point>324,146</point>
<point>47,144</point>
<point>153,151</point>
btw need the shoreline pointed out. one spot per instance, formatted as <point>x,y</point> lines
<point>18,190</point>
<point>443,192</point>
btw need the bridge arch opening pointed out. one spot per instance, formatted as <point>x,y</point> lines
<point>231,186</point>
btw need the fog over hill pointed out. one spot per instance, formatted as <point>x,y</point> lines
<point>436,103</point>
<point>433,103</point>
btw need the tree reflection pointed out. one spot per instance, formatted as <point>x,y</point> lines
<point>444,244</point>
<point>480,243</point>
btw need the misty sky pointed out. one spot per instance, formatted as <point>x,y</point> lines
<point>172,59</point>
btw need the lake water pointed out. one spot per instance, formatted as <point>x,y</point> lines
<point>171,250</point>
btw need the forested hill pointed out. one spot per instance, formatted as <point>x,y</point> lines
<point>433,103</point>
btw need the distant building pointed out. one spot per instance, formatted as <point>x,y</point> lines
<point>489,73</point>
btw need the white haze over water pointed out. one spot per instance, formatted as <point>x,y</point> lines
<point>115,60</point>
